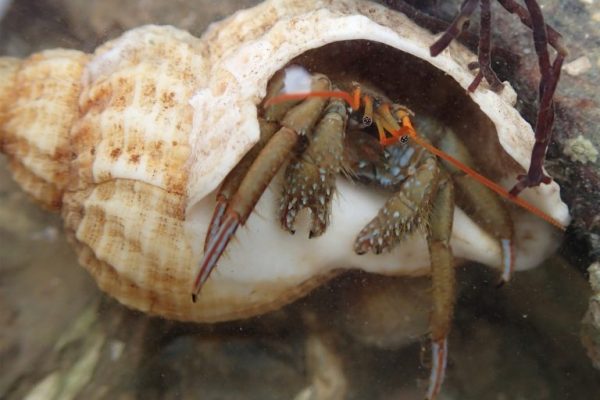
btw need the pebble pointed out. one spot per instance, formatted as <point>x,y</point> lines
<point>578,66</point>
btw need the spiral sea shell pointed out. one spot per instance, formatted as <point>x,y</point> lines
<point>130,141</point>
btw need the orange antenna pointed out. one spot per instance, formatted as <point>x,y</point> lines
<point>478,177</point>
<point>353,101</point>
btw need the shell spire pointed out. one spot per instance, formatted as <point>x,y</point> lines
<point>39,108</point>
<point>8,70</point>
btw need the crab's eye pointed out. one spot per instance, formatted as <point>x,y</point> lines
<point>404,139</point>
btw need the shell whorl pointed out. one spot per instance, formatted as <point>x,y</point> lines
<point>124,208</point>
<point>135,118</point>
<point>70,119</point>
<point>8,70</point>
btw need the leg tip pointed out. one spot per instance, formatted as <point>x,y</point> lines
<point>508,261</point>
<point>439,353</point>
<point>214,251</point>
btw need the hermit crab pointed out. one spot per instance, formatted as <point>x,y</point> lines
<point>423,190</point>
<point>133,144</point>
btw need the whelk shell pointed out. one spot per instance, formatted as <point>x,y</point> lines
<point>129,143</point>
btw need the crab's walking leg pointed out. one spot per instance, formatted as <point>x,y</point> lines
<point>404,212</point>
<point>443,280</point>
<point>487,208</point>
<point>490,212</point>
<point>232,181</point>
<point>310,180</point>
<point>426,199</point>
<point>297,121</point>
<point>245,198</point>
<point>268,126</point>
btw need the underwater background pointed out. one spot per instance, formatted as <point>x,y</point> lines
<point>61,338</point>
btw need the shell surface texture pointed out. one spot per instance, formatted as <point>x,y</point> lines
<point>130,144</point>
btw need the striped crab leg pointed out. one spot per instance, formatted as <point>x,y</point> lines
<point>443,281</point>
<point>268,125</point>
<point>425,200</point>
<point>489,210</point>
<point>233,180</point>
<point>299,120</point>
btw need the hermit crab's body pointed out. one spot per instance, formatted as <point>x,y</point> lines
<point>131,142</point>
<point>312,132</point>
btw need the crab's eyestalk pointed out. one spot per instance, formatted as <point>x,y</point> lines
<point>367,118</point>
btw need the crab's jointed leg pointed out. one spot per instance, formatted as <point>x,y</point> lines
<point>310,180</point>
<point>425,200</point>
<point>492,215</point>
<point>405,211</point>
<point>268,125</point>
<point>299,120</point>
<point>443,280</point>
<point>499,190</point>
<point>234,178</point>
<point>266,165</point>
<point>481,202</point>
